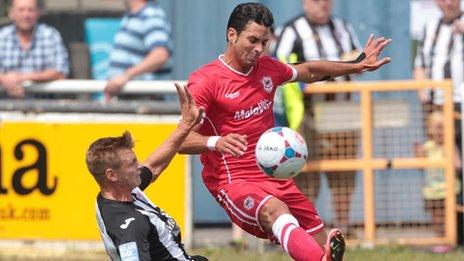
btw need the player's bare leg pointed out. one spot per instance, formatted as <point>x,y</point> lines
<point>275,218</point>
<point>321,238</point>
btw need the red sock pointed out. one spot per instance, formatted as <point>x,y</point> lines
<point>300,245</point>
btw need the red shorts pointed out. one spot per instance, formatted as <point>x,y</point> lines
<point>242,201</point>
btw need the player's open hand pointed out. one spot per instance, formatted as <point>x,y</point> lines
<point>234,144</point>
<point>191,114</point>
<point>372,51</point>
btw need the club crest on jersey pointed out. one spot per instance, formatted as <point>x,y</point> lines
<point>267,83</point>
<point>248,203</point>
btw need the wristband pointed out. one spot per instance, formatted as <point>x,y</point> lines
<point>211,143</point>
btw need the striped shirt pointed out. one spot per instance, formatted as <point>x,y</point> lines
<point>47,51</point>
<point>440,53</point>
<point>139,230</point>
<point>335,41</point>
<point>138,34</point>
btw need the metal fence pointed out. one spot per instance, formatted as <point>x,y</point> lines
<point>80,96</point>
<point>381,154</point>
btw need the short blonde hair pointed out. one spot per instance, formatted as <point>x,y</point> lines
<point>103,153</point>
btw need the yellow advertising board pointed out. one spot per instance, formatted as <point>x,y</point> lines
<point>46,191</point>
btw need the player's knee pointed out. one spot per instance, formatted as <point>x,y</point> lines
<point>270,211</point>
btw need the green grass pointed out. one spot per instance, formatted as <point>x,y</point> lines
<point>377,254</point>
<point>352,254</point>
<point>230,254</point>
<point>401,253</point>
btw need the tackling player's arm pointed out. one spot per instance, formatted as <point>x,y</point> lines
<point>159,159</point>
<point>313,71</point>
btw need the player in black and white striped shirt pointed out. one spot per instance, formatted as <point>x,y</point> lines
<point>441,52</point>
<point>132,227</point>
<point>441,56</point>
<point>317,35</point>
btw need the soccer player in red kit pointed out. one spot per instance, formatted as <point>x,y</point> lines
<point>237,92</point>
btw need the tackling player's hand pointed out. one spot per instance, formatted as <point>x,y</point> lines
<point>372,50</point>
<point>234,144</point>
<point>191,114</point>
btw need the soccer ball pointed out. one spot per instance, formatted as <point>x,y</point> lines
<point>281,152</point>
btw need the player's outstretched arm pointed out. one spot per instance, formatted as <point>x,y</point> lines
<point>313,71</point>
<point>159,159</point>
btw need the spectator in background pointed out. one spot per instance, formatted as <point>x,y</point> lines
<point>317,35</point>
<point>29,51</point>
<point>434,190</point>
<point>440,56</point>
<point>142,46</point>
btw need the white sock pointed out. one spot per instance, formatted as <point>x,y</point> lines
<point>280,222</point>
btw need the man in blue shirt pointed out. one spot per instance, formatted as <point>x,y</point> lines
<point>29,51</point>
<point>142,46</point>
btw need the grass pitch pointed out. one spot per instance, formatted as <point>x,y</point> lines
<point>352,254</point>
<point>356,254</point>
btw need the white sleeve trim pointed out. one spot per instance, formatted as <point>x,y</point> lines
<point>294,74</point>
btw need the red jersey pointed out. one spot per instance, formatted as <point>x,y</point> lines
<point>236,103</point>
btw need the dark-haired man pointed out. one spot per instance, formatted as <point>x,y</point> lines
<point>237,92</point>
<point>132,227</point>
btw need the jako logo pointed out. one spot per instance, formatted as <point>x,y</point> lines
<point>269,148</point>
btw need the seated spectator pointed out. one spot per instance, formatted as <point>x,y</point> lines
<point>141,49</point>
<point>29,51</point>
